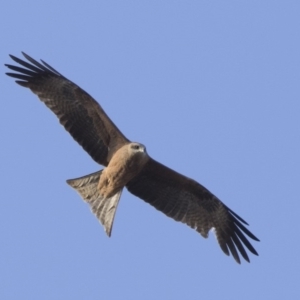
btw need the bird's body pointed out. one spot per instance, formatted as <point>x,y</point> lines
<point>124,165</point>
<point>127,164</point>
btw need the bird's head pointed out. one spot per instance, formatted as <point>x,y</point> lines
<point>137,147</point>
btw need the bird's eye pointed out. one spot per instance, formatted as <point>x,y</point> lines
<point>135,147</point>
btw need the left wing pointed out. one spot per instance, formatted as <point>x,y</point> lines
<point>187,201</point>
<point>77,111</point>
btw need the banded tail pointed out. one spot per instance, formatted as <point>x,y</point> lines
<point>103,208</point>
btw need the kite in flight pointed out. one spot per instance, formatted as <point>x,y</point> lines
<point>127,164</point>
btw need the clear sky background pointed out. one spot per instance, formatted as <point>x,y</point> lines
<point>212,89</point>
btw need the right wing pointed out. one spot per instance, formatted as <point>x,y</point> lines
<point>187,201</point>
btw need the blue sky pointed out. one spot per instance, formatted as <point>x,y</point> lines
<point>212,89</point>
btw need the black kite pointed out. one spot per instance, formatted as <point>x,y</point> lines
<point>128,165</point>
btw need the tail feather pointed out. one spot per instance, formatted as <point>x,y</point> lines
<point>103,208</point>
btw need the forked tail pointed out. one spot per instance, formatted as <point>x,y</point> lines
<point>103,208</point>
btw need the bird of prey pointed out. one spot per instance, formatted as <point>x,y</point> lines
<point>127,164</point>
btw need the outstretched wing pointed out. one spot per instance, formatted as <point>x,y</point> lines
<point>77,111</point>
<point>187,201</point>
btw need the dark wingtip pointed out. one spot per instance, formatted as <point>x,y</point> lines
<point>22,83</point>
<point>26,55</point>
<point>238,261</point>
<point>16,59</point>
<point>237,216</point>
<point>32,68</point>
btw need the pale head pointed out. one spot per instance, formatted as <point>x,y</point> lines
<point>137,147</point>
<point>137,157</point>
<point>137,152</point>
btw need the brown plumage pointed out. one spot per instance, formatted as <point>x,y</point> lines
<point>128,164</point>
